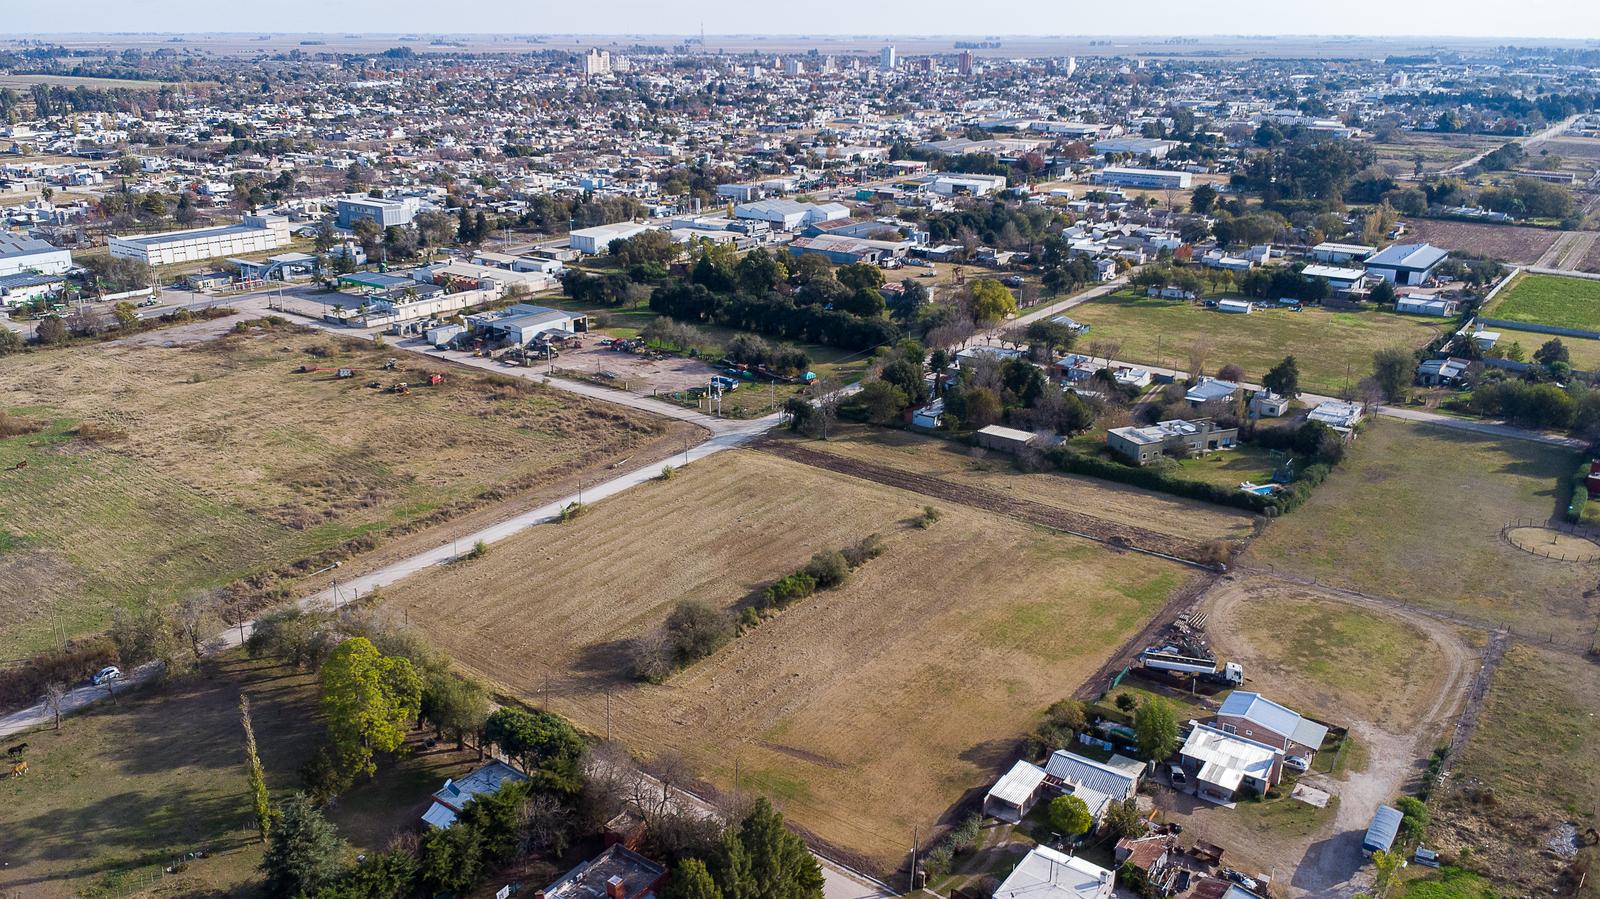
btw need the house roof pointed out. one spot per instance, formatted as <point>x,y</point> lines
<point>451,798</point>
<point>589,880</point>
<point>1045,873</point>
<point>1207,389</point>
<point>1416,257</point>
<point>1110,778</point>
<point>1228,752</point>
<point>1018,784</point>
<point>1334,272</point>
<point>1144,852</point>
<point>1277,718</point>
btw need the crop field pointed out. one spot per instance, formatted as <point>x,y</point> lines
<point>1415,513</point>
<point>1529,770</point>
<point>128,788</point>
<point>1332,348</point>
<point>975,467</point>
<point>160,471</point>
<point>1549,300</point>
<point>1507,243</point>
<point>865,710</point>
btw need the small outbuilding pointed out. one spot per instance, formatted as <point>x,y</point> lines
<point>1004,439</point>
<point>1381,832</point>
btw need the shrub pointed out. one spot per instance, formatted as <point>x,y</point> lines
<point>828,569</point>
<point>937,862</point>
<point>865,550</point>
<point>11,426</point>
<point>571,511</point>
<point>667,471</point>
<point>1580,493</point>
<point>479,550</point>
<point>928,518</point>
<point>790,588</point>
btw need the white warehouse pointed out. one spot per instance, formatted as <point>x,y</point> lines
<point>20,254</point>
<point>598,239</point>
<point>1151,179</point>
<point>256,234</point>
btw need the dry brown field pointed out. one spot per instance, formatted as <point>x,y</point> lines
<point>159,471</point>
<point>865,711</point>
<point>1507,243</point>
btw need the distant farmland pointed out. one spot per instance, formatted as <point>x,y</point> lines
<point>25,82</point>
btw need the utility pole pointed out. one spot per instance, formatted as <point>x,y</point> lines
<point>608,714</point>
<point>915,845</point>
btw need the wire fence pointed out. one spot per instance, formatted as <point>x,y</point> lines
<point>1557,551</point>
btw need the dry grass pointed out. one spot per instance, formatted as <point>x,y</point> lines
<point>1415,513</point>
<point>169,469</point>
<point>992,471</point>
<point>1530,767</point>
<point>865,710</point>
<point>1507,243</point>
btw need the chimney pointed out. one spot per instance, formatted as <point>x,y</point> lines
<point>614,887</point>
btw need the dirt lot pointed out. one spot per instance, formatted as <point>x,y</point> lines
<point>636,371</point>
<point>144,506</point>
<point>1524,787</point>
<point>1508,243</point>
<point>865,710</point>
<point>1395,680</point>
<point>126,789</point>
<point>1415,513</point>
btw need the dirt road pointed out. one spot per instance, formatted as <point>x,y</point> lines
<point>1396,740</point>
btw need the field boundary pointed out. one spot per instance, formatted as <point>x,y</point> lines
<point>1560,527</point>
<point>1077,524</point>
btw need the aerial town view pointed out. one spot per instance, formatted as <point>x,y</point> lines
<point>740,451</point>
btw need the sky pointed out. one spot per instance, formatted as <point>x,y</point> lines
<point>1570,19</point>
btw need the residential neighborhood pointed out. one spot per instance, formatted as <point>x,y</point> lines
<point>668,454</point>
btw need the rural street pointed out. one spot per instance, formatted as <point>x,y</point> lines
<point>1531,140</point>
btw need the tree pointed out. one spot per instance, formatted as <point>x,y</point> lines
<point>1284,378</point>
<point>55,700</point>
<point>883,402</point>
<point>451,859</point>
<point>1156,728</point>
<point>368,698</point>
<point>1392,368</point>
<point>51,331</point>
<point>780,865</point>
<point>691,879</point>
<point>544,745</point>
<point>304,852</point>
<point>1202,199</point>
<point>10,342</point>
<point>734,875</point>
<point>454,704</point>
<point>859,276</point>
<point>253,770</point>
<point>1069,815</point>
<point>127,316</point>
<point>991,301</point>
<point>1551,352</point>
<point>1122,819</point>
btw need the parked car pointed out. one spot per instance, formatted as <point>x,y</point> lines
<point>1240,878</point>
<point>1175,772</point>
<point>1012,281</point>
<point>1298,763</point>
<point>106,675</point>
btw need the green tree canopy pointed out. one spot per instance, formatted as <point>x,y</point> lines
<point>368,699</point>
<point>304,852</point>
<point>1284,378</point>
<point>1156,728</point>
<point>991,301</point>
<point>1069,815</point>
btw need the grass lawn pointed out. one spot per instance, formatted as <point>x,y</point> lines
<point>1548,300</point>
<point>128,788</point>
<point>1415,513</point>
<point>1530,766</point>
<point>219,460</point>
<point>1230,467</point>
<point>865,710</point>
<point>1447,883</point>
<point>1332,348</point>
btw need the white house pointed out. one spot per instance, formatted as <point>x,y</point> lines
<point>1045,873</point>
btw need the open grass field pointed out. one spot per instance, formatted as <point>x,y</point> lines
<point>1332,348</point>
<point>126,789</point>
<point>216,461</point>
<point>1507,243</point>
<point>972,466</point>
<point>1329,658</point>
<point>1436,151</point>
<point>1549,300</point>
<point>864,711</point>
<point>1415,513</point>
<point>1530,767</point>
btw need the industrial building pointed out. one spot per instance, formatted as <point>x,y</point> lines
<point>386,213</point>
<point>1405,264</point>
<point>20,254</point>
<point>1150,179</point>
<point>598,239</point>
<point>789,215</point>
<point>256,234</point>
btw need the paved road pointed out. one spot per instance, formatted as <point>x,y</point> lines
<point>1531,140</point>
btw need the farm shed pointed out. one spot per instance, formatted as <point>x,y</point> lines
<point>1004,439</point>
<point>1015,793</point>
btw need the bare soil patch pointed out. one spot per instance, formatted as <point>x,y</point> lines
<point>1507,243</point>
<point>1552,544</point>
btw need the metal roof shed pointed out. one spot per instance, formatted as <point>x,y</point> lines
<point>1381,832</point>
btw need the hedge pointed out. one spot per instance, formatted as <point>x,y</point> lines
<point>1580,494</point>
<point>1074,462</point>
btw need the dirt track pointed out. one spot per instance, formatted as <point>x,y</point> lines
<point>1075,523</point>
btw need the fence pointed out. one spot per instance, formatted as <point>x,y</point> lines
<point>1566,553</point>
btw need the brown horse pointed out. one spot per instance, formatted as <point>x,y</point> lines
<point>19,769</point>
